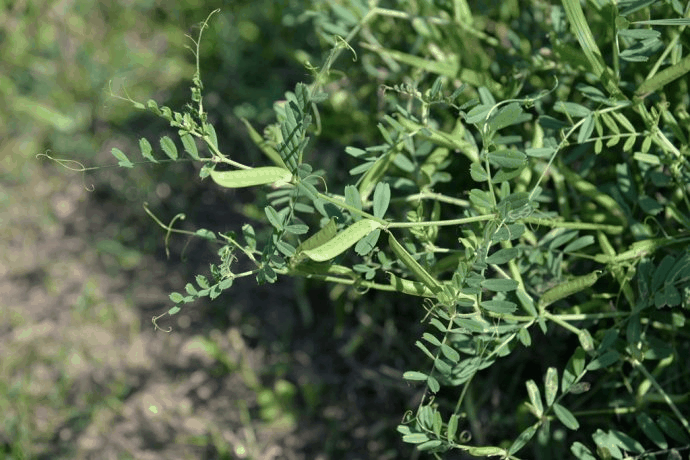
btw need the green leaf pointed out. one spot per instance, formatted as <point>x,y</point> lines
<point>586,341</point>
<point>499,285</point>
<point>434,386</point>
<point>508,115</point>
<point>202,281</point>
<point>478,113</point>
<point>297,229</point>
<point>443,367</point>
<point>579,243</point>
<point>504,175</point>
<point>471,324</point>
<point>123,160</point>
<point>431,339</point>
<point>452,427</point>
<point>550,385</point>
<point>486,451</point>
<point>382,197</point>
<point>608,340</point>
<point>176,297</point>
<point>478,173</point>
<point>480,198</point>
<point>432,444</point>
<point>450,353</point>
<point>189,145</point>
<point>210,131</point>
<point>535,397</point>
<point>575,366</point>
<point>508,158</point>
<point>352,197</point>
<point>523,439</point>
<point>669,296</point>
<point>650,429</point>
<point>499,306</point>
<point>662,271</point>
<point>647,158</point>
<point>542,152</point>
<point>251,177</point>
<point>415,376</point>
<point>579,388</point>
<point>607,447</point>
<point>174,311</point>
<point>586,129</point>
<point>664,77</point>
<point>191,290</point>
<point>169,147</point>
<point>502,256</point>
<point>146,150</point>
<point>639,34</point>
<point>206,234</point>
<point>285,248</point>
<point>415,438</point>
<point>572,109</point>
<point>508,232</point>
<point>274,218</point>
<point>368,243</point>
<point>672,429</point>
<point>566,417</point>
<point>626,442</point>
<point>581,452</point>
<point>342,241</point>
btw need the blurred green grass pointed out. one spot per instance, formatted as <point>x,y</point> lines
<point>73,350</point>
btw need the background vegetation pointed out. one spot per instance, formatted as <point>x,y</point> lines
<point>566,129</point>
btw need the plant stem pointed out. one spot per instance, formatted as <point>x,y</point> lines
<point>433,223</point>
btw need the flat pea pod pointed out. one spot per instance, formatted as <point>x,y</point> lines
<point>410,287</point>
<point>260,142</point>
<point>308,267</point>
<point>251,177</point>
<point>342,241</point>
<point>317,239</point>
<point>417,270</point>
<point>569,288</point>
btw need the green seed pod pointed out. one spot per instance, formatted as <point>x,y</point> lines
<point>569,288</point>
<point>251,177</point>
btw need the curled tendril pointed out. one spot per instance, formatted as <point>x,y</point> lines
<point>342,43</point>
<point>136,104</point>
<point>659,226</point>
<point>155,325</point>
<point>68,164</point>
<point>325,185</point>
<point>465,436</point>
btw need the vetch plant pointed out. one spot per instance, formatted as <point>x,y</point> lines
<point>556,221</point>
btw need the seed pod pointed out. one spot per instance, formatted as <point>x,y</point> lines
<point>569,288</point>
<point>417,270</point>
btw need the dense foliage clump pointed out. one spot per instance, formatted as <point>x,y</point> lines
<point>522,173</point>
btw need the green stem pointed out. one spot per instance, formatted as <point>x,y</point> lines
<point>433,223</point>
<point>611,411</point>
<point>352,209</point>
<point>339,280</point>
<point>433,196</point>
<point>558,319</point>
<point>613,229</point>
<point>663,394</point>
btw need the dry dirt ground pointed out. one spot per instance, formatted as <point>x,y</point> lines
<point>85,375</point>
